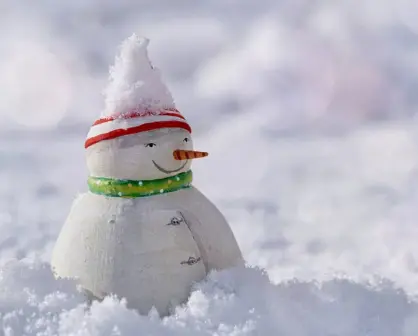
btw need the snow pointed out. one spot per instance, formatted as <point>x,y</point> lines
<point>308,111</point>
<point>135,84</point>
<point>233,302</point>
<point>337,240</point>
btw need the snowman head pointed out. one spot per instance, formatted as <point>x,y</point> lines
<point>140,135</point>
<point>143,147</point>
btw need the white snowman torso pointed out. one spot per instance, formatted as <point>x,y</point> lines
<point>150,250</point>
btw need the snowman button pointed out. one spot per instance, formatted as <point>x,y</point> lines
<point>175,221</point>
<point>191,261</point>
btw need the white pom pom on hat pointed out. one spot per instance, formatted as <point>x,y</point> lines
<point>136,98</point>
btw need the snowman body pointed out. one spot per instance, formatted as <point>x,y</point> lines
<point>149,250</point>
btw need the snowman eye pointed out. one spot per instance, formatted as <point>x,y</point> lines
<point>186,139</point>
<point>151,144</point>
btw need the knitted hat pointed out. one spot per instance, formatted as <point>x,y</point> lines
<point>112,127</point>
<point>137,100</point>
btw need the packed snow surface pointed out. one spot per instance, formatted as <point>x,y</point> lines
<point>308,111</point>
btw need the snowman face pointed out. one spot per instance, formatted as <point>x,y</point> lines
<point>142,156</point>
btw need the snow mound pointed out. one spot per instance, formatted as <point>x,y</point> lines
<point>31,300</point>
<point>134,82</point>
<point>234,302</point>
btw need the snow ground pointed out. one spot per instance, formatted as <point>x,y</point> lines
<point>307,109</point>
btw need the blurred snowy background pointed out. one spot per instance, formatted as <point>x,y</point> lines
<point>308,109</point>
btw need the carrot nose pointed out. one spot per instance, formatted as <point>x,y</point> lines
<point>181,154</point>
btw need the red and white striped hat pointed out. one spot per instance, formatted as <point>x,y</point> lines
<point>136,121</point>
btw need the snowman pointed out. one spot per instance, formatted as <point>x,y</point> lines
<point>142,232</point>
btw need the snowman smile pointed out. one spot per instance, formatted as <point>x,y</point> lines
<point>166,171</point>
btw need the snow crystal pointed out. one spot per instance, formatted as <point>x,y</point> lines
<point>134,83</point>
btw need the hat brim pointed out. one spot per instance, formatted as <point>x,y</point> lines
<point>136,129</point>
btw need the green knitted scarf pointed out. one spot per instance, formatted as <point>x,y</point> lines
<point>133,188</point>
